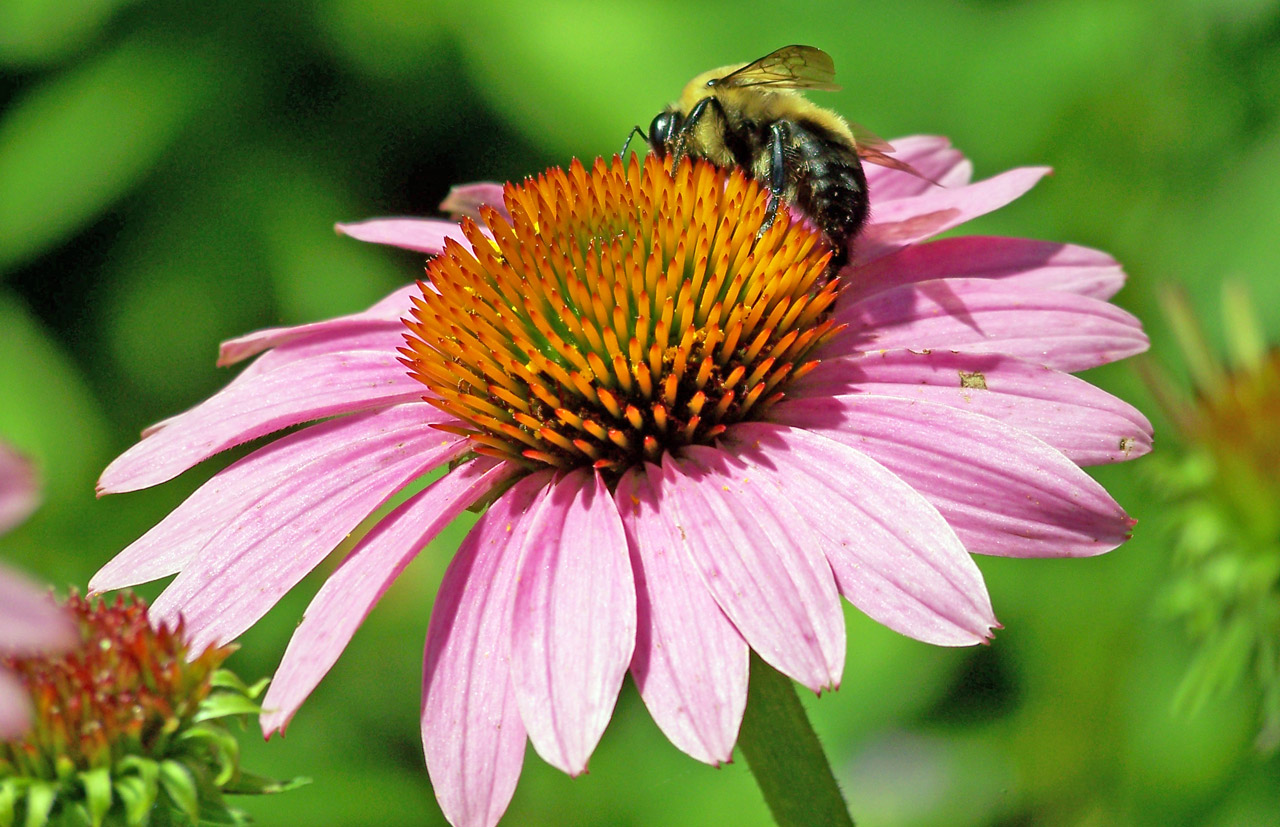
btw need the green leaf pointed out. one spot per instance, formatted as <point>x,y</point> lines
<point>97,793</point>
<point>8,801</point>
<point>138,796</point>
<point>224,704</point>
<point>250,784</point>
<point>80,140</point>
<point>40,799</point>
<point>42,31</point>
<point>181,786</point>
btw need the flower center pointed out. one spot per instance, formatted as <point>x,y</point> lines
<point>619,313</point>
<point>127,689</point>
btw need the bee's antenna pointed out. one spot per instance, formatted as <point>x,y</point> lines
<point>635,130</point>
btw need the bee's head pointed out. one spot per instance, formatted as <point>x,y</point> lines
<point>662,131</point>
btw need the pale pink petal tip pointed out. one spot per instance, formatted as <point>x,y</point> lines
<point>423,235</point>
<point>893,554</point>
<point>19,488</point>
<point>30,620</point>
<point>574,623</point>
<point>690,663</point>
<point>472,734</point>
<point>350,593</point>
<point>759,559</point>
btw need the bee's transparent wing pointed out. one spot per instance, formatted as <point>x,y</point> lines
<point>875,150</point>
<point>791,67</point>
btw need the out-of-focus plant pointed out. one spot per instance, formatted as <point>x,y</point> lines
<point>1223,482</point>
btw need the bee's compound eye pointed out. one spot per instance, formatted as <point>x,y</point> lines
<point>663,130</point>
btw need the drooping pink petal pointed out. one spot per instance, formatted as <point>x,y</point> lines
<point>690,663</point>
<point>19,489</point>
<point>471,729</point>
<point>760,561</point>
<point>893,554</point>
<point>242,542</point>
<point>423,235</point>
<point>15,707</point>
<point>897,223</point>
<point>297,382</point>
<point>1003,491</point>
<point>467,199</point>
<point>350,593</point>
<point>1086,423</point>
<point>1014,262</point>
<point>1059,330</point>
<point>574,622</point>
<point>30,620</point>
<point>930,155</point>
<point>390,309</point>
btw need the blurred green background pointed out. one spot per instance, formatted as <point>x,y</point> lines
<point>169,176</point>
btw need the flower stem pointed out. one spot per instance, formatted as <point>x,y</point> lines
<point>784,755</point>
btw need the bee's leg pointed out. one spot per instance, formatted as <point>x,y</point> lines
<point>691,122</point>
<point>777,174</point>
<point>635,130</point>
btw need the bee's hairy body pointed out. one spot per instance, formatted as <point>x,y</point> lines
<point>754,116</point>
<point>821,173</point>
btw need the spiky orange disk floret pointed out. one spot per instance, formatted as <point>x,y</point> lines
<point>127,689</point>
<point>620,313</point>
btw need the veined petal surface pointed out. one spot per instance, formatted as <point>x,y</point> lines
<point>471,729</point>
<point>1003,491</point>
<point>298,382</point>
<point>895,224</point>
<point>1082,421</point>
<point>760,561</point>
<point>1014,262</point>
<point>574,623</point>
<point>350,593</point>
<point>1060,330</point>
<point>893,555</point>
<point>690,663</point>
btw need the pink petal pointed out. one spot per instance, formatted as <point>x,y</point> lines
<point>243,542</point>
<point>233,493</point>
<point>930,155</point>
<point>320,376</point>
<point>1003,491</point>
<point>471,729</point>
<point>760,560</point>
<point>574,624</point>
<point>1046,327</point>
<point>30,620</point>
<point>897,223</point>
<point>19,488</point>
<point>893,554</point>
<point>1014,262</point>
<point>690,663</point>
<point>424,235</point>
<point>1086,423</point>
<point>15,707</point>
<point>390,309</point>
<point>467,199</point>
<point>350,593</point>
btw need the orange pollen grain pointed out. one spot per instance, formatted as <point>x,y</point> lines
<point>619,312</point>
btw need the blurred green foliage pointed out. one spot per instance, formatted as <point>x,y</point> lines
<point>169,173</point>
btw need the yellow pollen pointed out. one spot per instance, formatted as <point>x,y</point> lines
<point>607,316</point>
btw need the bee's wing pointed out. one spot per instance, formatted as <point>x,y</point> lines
<point>874,149</point>
<point>791,67</point>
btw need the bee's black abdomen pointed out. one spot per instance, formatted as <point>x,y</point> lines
<point>830,186</point>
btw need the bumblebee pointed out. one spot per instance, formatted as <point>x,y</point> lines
<point>755,116</point>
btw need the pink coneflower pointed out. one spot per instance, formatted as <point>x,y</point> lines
<point>29,619</point>
<point>128,726</point>
<point>690,442</point>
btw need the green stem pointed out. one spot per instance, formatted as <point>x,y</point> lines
<point>784,755</point>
